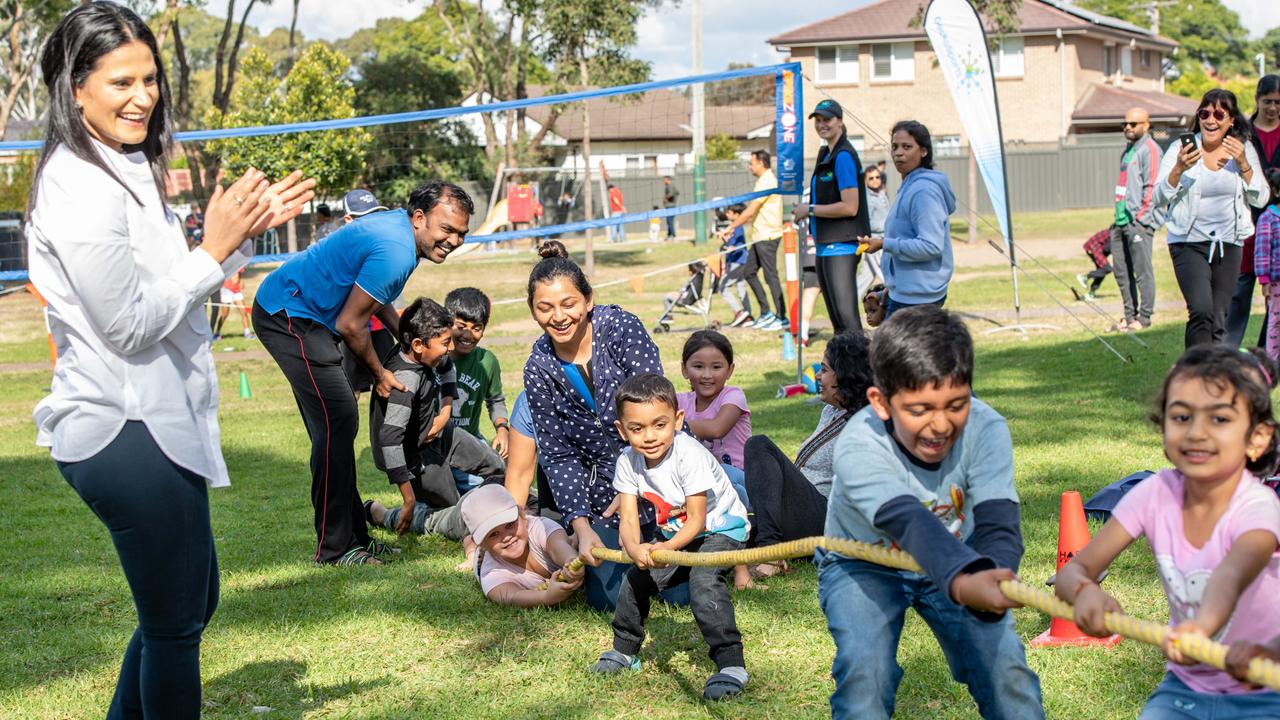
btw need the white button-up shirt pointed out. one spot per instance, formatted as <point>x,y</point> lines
<point>126,311</point>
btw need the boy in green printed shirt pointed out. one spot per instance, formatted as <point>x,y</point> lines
<point>478,375</point>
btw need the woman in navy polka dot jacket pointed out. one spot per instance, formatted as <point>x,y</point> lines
<point>570,379</point>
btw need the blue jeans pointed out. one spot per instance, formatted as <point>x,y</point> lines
<point>1173,700</point>
<point>893,306</point>
<point>865,606</point>
<point>738,480</point>
<point>465,481</point>
<point>603,583</point>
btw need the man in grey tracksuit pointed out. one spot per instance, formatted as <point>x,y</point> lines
<point>1136,221</point>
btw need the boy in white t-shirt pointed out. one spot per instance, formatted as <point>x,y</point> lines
<point>697,511</point>
<point>519,555</point>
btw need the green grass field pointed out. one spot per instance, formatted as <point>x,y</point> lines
<point>415,639</point>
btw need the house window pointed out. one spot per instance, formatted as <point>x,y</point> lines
<point>1007,58</point>
<point>895,62</point>
<point>1126,62</point>
<point>1145,56</point>
<point>946,146</point>
<point>633,166</point>
<point>838,64</point>
<point>1108,61</point>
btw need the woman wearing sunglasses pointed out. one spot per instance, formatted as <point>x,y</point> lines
<point>1207,183</point>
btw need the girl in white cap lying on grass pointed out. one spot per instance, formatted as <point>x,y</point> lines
<point>519,555</point>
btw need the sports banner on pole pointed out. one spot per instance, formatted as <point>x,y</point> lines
<point>960,44</point>
<point>789,152</point>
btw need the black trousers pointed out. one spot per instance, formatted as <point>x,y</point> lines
<point>708,598</point>
<point>1207,287</point>
<point>158,517</point>
<point>786,504</point>
<point>764,256</point>
<point>308,355</point>
<point>1238,313</point>
<point>838,278</point>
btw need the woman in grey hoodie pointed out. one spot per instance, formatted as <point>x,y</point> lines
<point>917,261</point>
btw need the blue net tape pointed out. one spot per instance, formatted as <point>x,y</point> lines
<point>21,275</point>
<point>442,113</point>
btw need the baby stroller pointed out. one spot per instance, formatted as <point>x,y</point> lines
<point>689,299</point>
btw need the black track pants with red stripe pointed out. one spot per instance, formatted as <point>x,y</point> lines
<point>308,355</point>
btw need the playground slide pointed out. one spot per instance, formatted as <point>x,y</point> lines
<point>496,218</point>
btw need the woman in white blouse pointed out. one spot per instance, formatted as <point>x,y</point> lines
<point>132,415</point>
<point>1207,183</point>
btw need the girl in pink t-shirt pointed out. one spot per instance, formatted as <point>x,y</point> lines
<point>717,414</point>
<point>1212,527</point>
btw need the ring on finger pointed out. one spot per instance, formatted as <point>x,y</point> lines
<point>239,200</point>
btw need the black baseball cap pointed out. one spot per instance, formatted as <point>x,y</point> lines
<point>828,109</point>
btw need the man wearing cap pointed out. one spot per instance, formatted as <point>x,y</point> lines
<point>360,202</point>
<point>838,215</point>
<point>329,293</point>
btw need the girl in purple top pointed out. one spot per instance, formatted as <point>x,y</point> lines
<point>1212,527</point>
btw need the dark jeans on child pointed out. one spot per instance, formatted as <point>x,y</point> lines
<point>158,517</point>
<point>602,584</point>
<point>708,597</point>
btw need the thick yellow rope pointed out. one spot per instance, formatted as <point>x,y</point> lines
<point>1261,672</point>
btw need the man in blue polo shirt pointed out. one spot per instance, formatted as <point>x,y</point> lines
<point>327,294</point>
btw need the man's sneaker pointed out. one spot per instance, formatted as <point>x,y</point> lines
<point>742,317</point>
<point>612,662</point>
<point>764,320</point>
<point>776,323</point>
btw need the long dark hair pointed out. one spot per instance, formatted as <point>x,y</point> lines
<point>70,54</point>
<point>1226,100</point>
<point>1267,84</point>
<point>1251,374</point>
<point>848,356</point>
<point>555,264</point>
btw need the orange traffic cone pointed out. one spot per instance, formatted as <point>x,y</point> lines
<point>1073,535</point>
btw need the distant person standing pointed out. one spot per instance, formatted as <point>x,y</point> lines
<point>917,234</point>
<point>1207,185</point>
<point>838,215</point>
<point>763,220</point>
<point>617,207</point>
<point>878,209</point>
<point>327,294</point>
<point>324,222</point>
<point>1136,221</point>
<point>1265,125</point>
<point>670,195</point>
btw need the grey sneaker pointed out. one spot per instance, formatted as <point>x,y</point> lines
<point>612,662</point>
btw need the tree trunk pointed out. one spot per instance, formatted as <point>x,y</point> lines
<point>291,235</point>
<point>17,67</point>
<point>170,14</point>
<point>590,261</point>
<point>293,27</point>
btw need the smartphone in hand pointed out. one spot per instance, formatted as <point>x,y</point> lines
<point>1187,139</point>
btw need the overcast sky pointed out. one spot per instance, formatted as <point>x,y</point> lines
<point>733,30</point>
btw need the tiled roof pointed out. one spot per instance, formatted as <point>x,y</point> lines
<point>892,19</point>
<point>1102,103</point>
<point>656,115</point>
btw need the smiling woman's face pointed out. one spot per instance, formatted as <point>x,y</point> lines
<point>560,309</point>
<point>1215,121</point>
<point>117,99</point>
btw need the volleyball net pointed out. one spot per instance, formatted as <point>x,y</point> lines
<point>618,159</point>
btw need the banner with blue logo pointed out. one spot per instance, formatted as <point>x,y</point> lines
<point>789,130</point>
<point>960,44</point>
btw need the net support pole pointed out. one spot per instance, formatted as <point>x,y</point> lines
<point>699,130</point>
